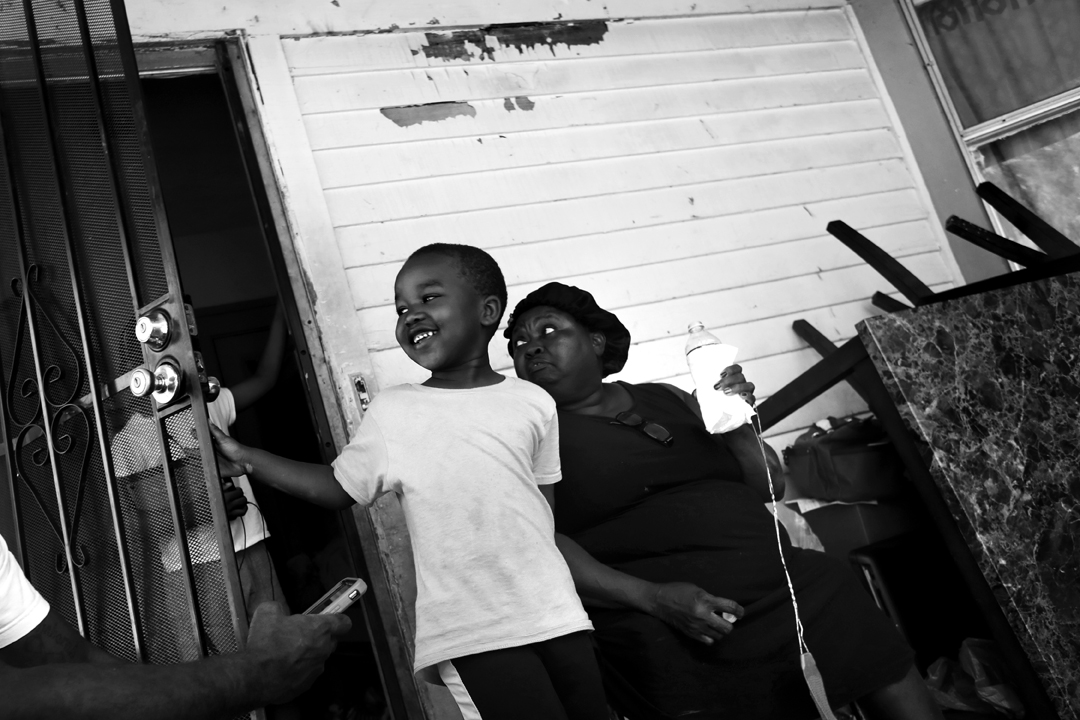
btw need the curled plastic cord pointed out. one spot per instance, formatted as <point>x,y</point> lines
<point>814,682</point>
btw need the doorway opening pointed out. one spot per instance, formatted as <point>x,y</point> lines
<point>227,272</point>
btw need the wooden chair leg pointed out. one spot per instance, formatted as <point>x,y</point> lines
<point>994,243</point>
<point>826,347</point>
<point>899,276</point>
<point>1040,232</point>
<point>888,303</point>
<point>822,376</point>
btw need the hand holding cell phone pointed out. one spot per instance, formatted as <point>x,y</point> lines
<point>339,598</point>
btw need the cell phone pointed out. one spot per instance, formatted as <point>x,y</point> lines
<point>340,597</point>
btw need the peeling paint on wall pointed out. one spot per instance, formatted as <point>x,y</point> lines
<point>473,44</point>
<point>406,115</point>
<point>523,103</point>
<point>454,45</point>
<point>531,35</point>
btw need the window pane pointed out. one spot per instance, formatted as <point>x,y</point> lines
<point>1001,55</point>
<point>1040,167</point>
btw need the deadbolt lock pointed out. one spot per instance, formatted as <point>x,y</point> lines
<point>152,329</point>
<point>211,389</point>
<point>164,383</point>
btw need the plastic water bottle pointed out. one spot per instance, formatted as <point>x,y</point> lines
<point>707,358</point>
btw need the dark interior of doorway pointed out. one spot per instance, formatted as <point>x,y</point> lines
<point>226,270</point>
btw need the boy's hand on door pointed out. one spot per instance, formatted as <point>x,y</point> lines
<point>231,455</point>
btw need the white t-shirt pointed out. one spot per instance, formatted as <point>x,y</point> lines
<point>249,528</point>
<point>467,465</point>
<point>22,608</point>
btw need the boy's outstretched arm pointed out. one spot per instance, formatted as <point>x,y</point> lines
<point>307,481</point>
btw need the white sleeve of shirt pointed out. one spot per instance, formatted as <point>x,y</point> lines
<point>546,466</point>
<point>222,410</point>
<point>22,608</point>
<point>362,467</point>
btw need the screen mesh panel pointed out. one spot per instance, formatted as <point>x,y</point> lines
<point>203,544</point>
<point>76,449</point>
<point>80,254</point>
<point>130,153</point>
<point>148,522</point>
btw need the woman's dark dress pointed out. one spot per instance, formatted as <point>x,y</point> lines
<point>682,513</point>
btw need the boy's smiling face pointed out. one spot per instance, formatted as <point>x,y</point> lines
<point>441,318</point>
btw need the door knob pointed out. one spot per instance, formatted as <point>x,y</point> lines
<point>163,383</point>
<point>152,329</point>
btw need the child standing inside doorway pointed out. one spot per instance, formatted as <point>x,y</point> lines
<point>473,456</point>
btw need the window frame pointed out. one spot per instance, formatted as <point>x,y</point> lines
<point>971,139</point>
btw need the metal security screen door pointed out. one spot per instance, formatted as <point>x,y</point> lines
<point>120,518</point>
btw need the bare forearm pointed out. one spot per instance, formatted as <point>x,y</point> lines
<point>604,586</point>
<point>308,481</point>
<point>53,641</point>
<point>747,448</point>
<point>213,688</point>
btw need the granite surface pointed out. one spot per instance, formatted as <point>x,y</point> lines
<point>992,384</point>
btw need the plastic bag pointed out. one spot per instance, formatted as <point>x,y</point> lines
<point>798,530</point>
<point>975,683</point>
<point>852,461</point>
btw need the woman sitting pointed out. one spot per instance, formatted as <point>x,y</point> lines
<point>665,531</point>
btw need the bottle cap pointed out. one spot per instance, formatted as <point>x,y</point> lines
<point>695,326</point>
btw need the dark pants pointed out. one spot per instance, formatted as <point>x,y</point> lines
<point>555,679</point>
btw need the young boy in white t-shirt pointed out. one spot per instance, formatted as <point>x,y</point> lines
<point>472,455</point>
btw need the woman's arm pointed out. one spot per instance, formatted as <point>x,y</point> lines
<point>757,460</point>
<point>685,606</point>
<point>603,586</point>
<point>752,454</point>
<point>699,615</point>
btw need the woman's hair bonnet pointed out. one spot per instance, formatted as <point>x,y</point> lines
<point>581,306</point>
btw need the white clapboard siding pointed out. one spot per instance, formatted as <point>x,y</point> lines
<point>339,55</point>
<point>680,168</point>
<point>740,283</point>
<point>632,283</point>
<point>544,78</point>
<point>601,214</point>
<point>614,106</point>
<point>375,164</point>
<point>552,183</point>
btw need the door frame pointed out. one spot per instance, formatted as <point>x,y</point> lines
<point>227,57</point>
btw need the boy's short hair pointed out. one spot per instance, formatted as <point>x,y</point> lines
<point>477,267</point>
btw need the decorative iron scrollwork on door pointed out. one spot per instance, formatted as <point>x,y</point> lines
<point>59,425</point>
<point>105,485</point>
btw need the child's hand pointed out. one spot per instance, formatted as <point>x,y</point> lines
<point>235,501</point>
<point>231,456</point>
